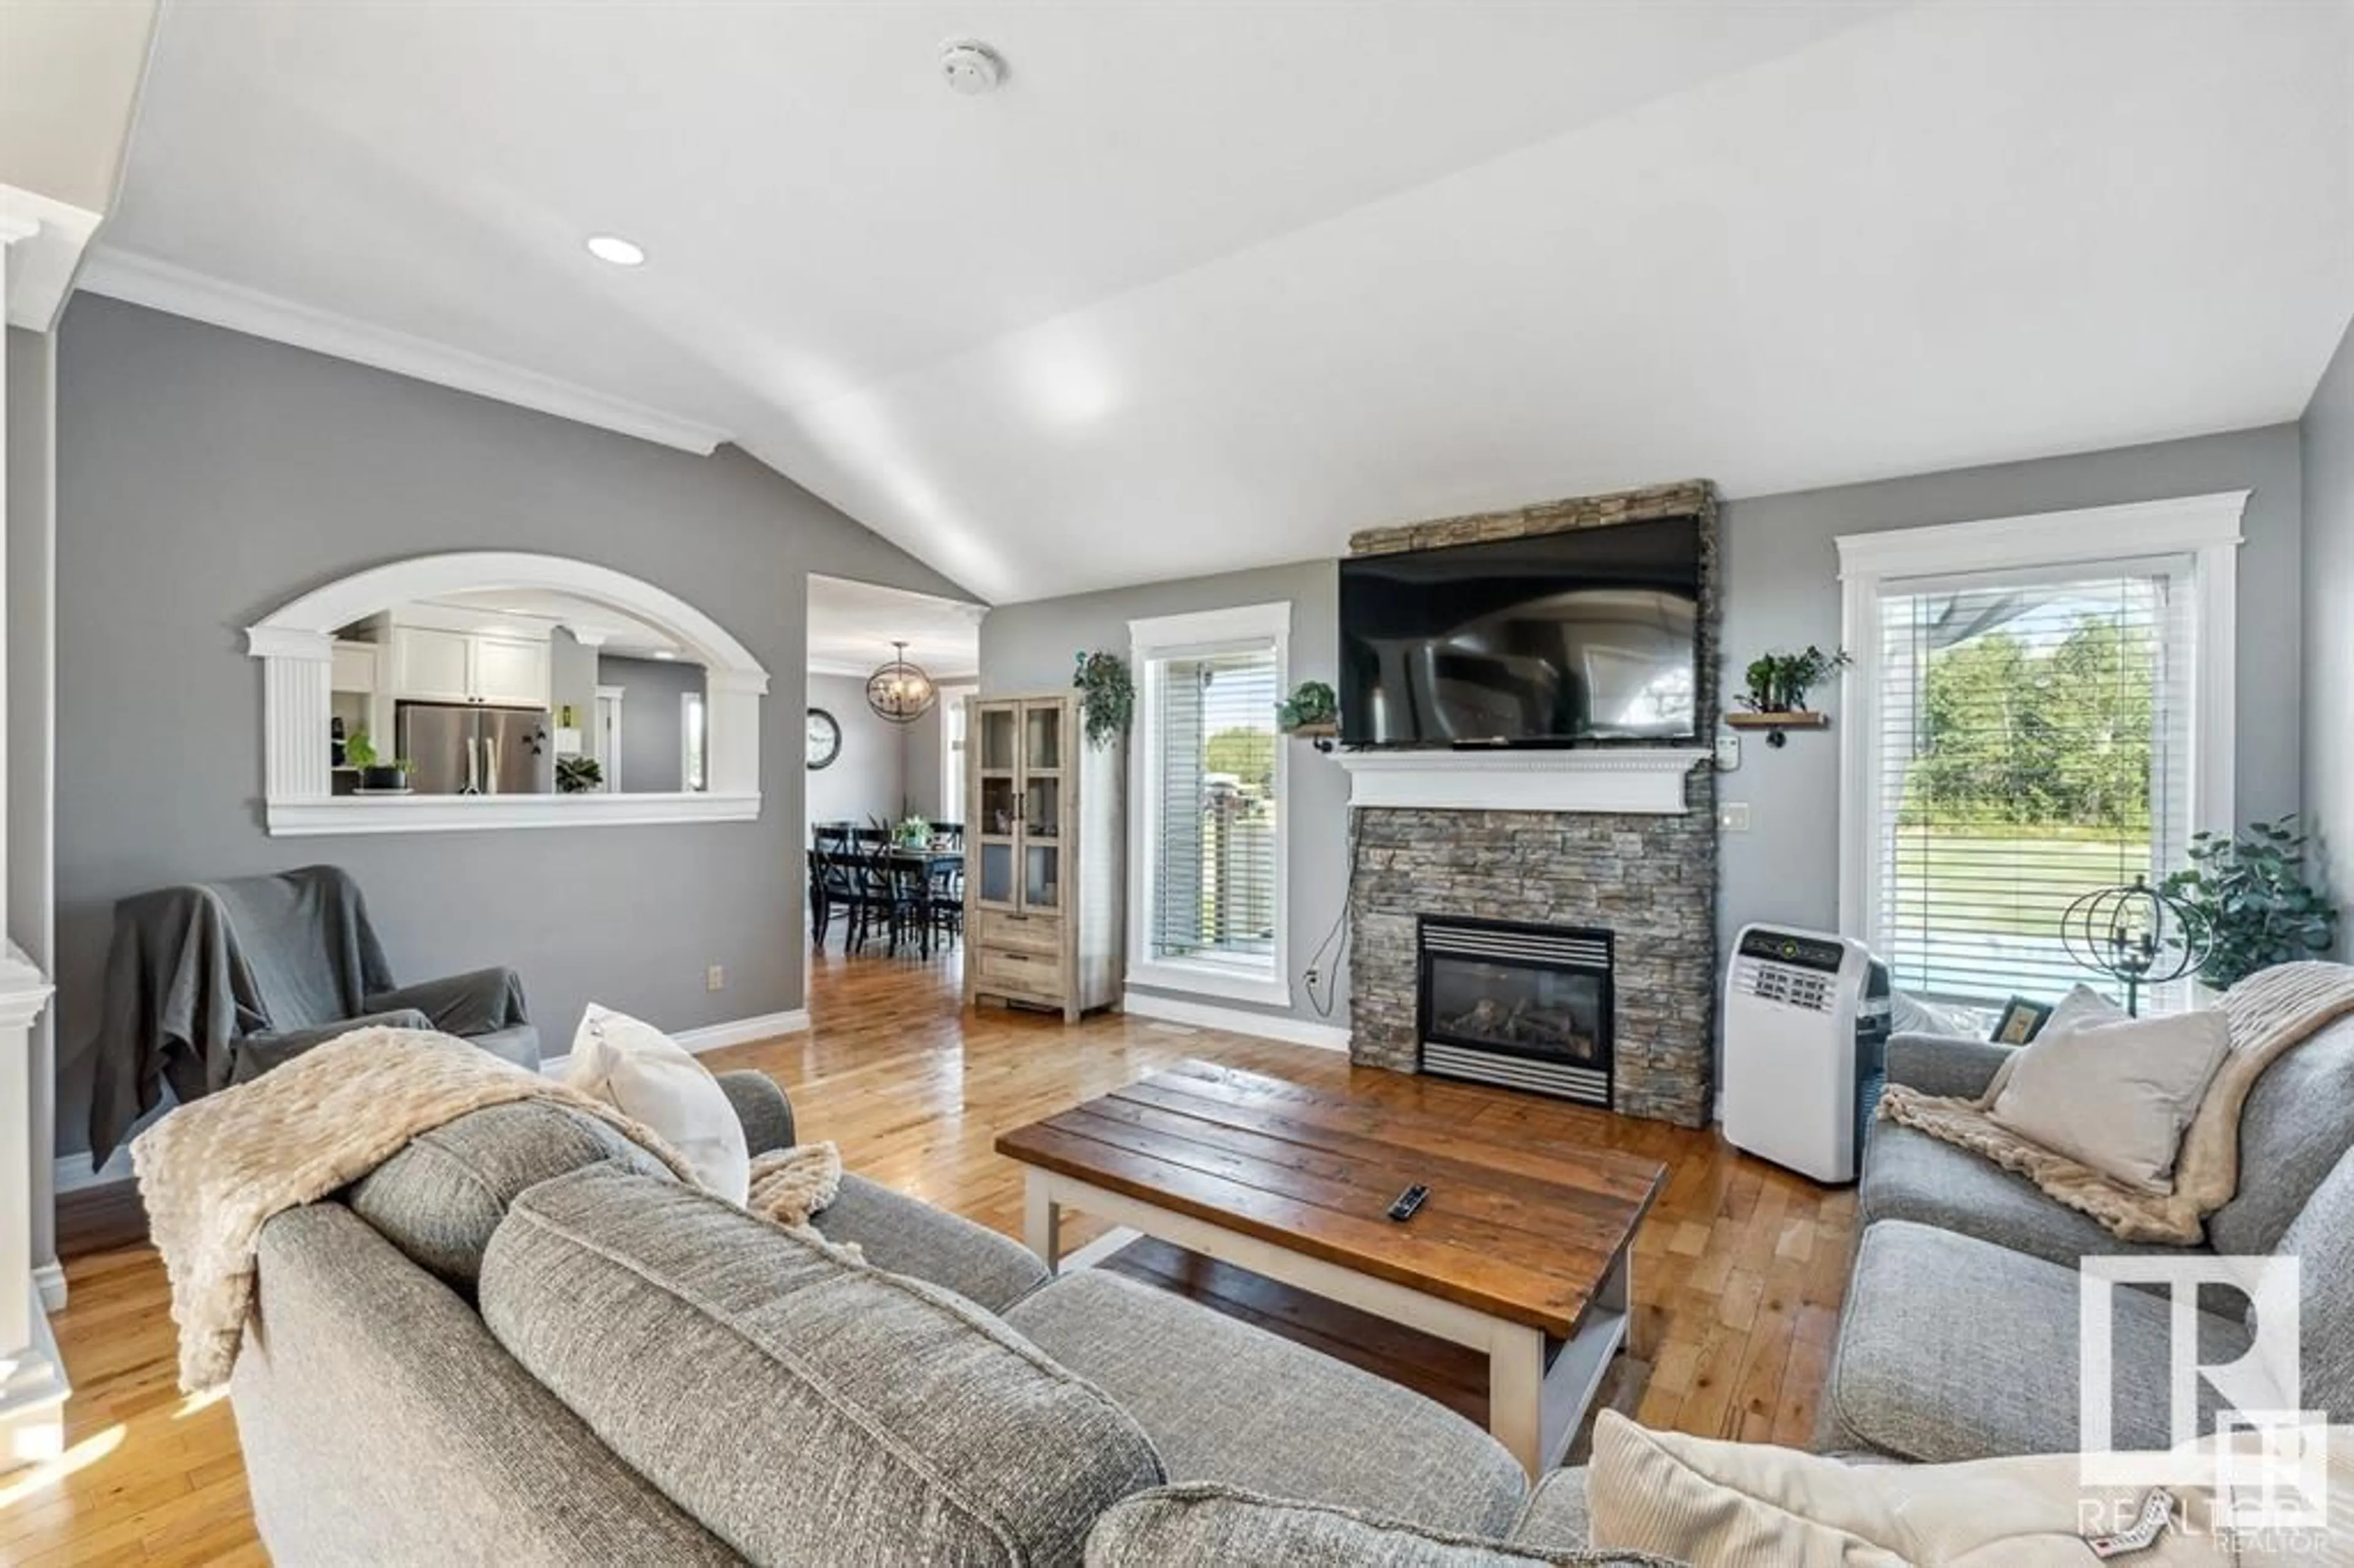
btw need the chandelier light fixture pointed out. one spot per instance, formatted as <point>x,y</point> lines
<point>900,692</point>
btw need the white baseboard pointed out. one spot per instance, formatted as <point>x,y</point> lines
<point>49,1279</point>
<point>1235,1020</point>
<point>744,1030</point>
<point>72,1173</point>
<point>716,1036</point>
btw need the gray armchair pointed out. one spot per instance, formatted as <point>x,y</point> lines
<point>210,984</point>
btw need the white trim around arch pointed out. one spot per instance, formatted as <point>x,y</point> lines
<point>295,645</point>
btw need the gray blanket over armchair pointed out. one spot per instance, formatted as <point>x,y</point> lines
<point>213,983</point>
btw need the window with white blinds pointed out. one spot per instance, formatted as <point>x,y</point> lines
<point>1208,899</point>
<point>2033,744</point>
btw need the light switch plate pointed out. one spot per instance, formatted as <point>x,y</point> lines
<point>1728,753</point>
<point>1732,816</point>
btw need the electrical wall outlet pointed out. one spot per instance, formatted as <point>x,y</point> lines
<point>1733,817</point>
<point>715,978</point>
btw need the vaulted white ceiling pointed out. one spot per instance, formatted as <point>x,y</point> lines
<point>1206,286</point>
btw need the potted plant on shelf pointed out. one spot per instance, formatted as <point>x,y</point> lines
<point>579,775</point>
<point>1778,682</point>
<point>2249,899</point>
<point>377,776</point>
<point>1110,697</point>
<point>1312,712</point>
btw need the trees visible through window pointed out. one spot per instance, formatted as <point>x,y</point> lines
<point>2033,745</point>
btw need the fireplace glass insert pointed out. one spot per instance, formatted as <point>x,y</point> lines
<point>1524,1006</point>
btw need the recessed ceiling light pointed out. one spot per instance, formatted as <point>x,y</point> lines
<point>614,249</point>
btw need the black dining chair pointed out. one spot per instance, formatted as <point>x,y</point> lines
<point>834,888</point>
<point>890,898</point>
<point>944,900</point>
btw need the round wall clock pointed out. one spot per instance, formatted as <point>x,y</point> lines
<point>824,739</point>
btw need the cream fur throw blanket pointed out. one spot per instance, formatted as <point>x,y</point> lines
<point>214,1171</point>
<point>2269,1013</point>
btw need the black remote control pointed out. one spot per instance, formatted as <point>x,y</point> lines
<point>1408,1202</point>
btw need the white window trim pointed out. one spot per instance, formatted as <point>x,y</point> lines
<point>954,778</point>
<point>295,645</point>
<point>2205,528</point>
<point>692,705</point>
<point>1162,637</point>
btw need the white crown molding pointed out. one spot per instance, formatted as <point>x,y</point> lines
<point>845,668</point>
<point>1646,780</point>
<point>163,286</point>
<point>45,240</point>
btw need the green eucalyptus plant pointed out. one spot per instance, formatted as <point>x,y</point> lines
<point>1312,703</point>
<point>1778,682</point>
<point>1111,699</point>
<point>2249,900</point>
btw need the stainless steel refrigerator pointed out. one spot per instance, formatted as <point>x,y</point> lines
<point>455,748</point>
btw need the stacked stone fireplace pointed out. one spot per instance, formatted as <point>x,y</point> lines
<point>1611,850</point>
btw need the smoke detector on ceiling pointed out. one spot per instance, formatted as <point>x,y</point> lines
<point>971,67</point>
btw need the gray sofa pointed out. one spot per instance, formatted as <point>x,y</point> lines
<point>520,1342</point>
<point>1960,1336</point>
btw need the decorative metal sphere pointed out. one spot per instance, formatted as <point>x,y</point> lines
<point>2133,933</point>
<point>900,692</point>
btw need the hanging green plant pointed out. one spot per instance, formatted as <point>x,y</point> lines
<point>1111,699</point>
<point>1312,705</point>
<point>2249,897</point>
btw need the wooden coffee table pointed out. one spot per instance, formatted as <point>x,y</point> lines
<point>1521,1251</point>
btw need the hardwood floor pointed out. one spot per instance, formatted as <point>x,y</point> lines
<point>1738,1273</point>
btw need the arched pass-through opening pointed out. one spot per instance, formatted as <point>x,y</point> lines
<point>296,645</point>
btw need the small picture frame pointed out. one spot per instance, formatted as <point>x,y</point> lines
<point>2021,1020</point>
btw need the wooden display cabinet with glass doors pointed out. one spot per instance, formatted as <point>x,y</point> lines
<point>1043,901</point>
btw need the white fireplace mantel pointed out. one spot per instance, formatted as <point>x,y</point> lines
<point>1645,780</point>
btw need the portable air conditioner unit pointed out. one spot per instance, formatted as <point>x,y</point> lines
<point>1806,1040</point>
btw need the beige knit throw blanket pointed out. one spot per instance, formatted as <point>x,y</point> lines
<point>2269,1013</point>
<point>212,1172</point>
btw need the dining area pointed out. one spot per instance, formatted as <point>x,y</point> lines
<point>893,889</point>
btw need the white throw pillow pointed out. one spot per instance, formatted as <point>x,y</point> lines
<point>2115,1097</point>
<point>2082,1006</point>
<point>1709,1502</point>
<point>650,1077</point>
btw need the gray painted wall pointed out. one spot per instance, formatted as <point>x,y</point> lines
<point>2329,444</point>
<point>652,744</point>
<point>1781,588</point>
<point>867,779</point>
<point>1028,647</point>
<point>207,477</point>
<point>32,669</point>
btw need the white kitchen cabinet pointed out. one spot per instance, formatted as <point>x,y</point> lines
<point>511,673</point>
<point>354,669</point>
<point>433,665</point>
<point>430,665</point>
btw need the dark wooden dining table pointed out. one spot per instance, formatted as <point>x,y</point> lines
<point>933,861</point>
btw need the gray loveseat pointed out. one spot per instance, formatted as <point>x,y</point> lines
<point>519,1342</point>
<point>1959,1339</point>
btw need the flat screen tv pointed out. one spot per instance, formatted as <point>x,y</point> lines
<point>1554,640</point>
